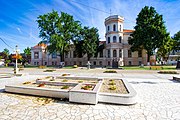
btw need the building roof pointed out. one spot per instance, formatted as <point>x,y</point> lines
<point>128,31</point>
<point>40,45</point>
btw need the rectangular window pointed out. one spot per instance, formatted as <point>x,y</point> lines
<point>140,53</point>
<point>101,54</point>
<point>120,53</point>
<point>94,62</point>
<point>129,53</point>
<point>66,55</point>
<point>80,63</point>
<point>36,55</point>
<point>130,63</point>
<point>54,55</point>
<point>108,53</point>
<point>52,63</point>
<point>74,54</point>
<point>74,62</point>
<point>34,63</point>
<point>37,63</point>
<point>140,62</point>
<point>45,63</point>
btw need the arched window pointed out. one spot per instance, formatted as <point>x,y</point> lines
<point>109,40</point>
<point>120,53</point>
<point>114,39</point>
<point>114,27</point>
<point>120,38</point>
<point>114,53</point>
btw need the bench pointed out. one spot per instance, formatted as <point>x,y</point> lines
<point>155,67</point>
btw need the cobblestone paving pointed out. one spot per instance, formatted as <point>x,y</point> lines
<point>158,99</point>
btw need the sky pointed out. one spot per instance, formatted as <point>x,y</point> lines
<point>18,24</point>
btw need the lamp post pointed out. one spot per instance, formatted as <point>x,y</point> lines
<point>16,52</point>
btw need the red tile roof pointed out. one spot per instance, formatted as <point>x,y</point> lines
<point>128,31</point>
<point>40,45</point>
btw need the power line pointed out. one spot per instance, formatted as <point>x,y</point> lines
<point>90,7</point>
<point>6,43</point>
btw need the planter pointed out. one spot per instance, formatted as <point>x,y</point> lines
<point>119,98</point>
<point>79,95</point>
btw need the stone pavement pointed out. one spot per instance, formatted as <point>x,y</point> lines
<point>158,99</point>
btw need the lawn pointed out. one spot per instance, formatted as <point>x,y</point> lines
<point>148,68</point>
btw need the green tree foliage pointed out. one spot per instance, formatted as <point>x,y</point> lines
<point>165,48</point>
<point>150,31</point>
<point>27,57</point>
<point>60,31</point>
<point>27,51</point>
<point>88,43</point>
<point>6,53</point>
<point>176,39</point>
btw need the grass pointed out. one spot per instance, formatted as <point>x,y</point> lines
<point>147,67</point>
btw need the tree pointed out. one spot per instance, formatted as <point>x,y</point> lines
<point>89,42</point>
<point>6,52</point>
<point>27,52</point>
<point>165,49</point>
<point>59,31</point>
<point>176,39</point>
<point>150,31</point>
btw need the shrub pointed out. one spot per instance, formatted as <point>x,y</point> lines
<point>41,67</point>
<point>112,87</point>
<point>112,83</point>
<point>26,82</point>
<point>87,87</point>
<point>65,74</point>
<point>49,70</point>
<point>80,81</point>
<point>65,87</point>
<point>41,85</point>
<point>64,80</point>
<point>110,71</point>
<point>75,66</point>
<point>167,72</point>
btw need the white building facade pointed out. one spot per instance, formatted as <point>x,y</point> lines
<point>116,53</point>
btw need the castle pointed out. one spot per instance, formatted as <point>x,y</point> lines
<point>116,52</point>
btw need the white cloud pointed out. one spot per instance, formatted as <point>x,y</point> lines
<point>19,30</point>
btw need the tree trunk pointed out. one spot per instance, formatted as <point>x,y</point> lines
<point>148,59</point>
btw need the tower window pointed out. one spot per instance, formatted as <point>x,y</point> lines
<point>114,53</point>
<point>114,39</point>
<point>108,39</point>
<point>114,27</point>
<point>120,28</point>
<point>120,38</point>
<point>108,28</point>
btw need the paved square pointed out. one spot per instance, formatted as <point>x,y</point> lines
<point>158,99</point>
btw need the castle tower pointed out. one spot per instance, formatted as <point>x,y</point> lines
<point>114,40</point>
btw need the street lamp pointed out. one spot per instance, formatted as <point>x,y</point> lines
<point>16,52</point>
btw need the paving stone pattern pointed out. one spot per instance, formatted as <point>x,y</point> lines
<point>158,99</point>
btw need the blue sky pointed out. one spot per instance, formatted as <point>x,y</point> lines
<point>18,17</point>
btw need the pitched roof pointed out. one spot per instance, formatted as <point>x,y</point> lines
<point>128,31</point>
<point>40,45</point>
